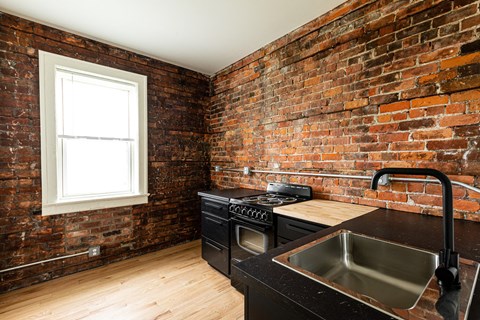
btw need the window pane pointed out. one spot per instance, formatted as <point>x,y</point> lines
<point>95,167</point>
<point>93,107</point>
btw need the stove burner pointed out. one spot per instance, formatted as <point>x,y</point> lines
<point>270,202</point>
<point>250,199</point>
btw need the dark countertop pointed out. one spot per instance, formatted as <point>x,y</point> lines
<point>309,297</point>
<point>227,194</point>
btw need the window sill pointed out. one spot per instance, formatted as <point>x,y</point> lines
<point>93,204</point>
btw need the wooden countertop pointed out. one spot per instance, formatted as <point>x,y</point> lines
<point>324,212</point>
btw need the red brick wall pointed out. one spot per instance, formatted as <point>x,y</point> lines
<point>370,84</point>
<point>177,153</point>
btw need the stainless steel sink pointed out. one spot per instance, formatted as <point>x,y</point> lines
<point>388,276</point>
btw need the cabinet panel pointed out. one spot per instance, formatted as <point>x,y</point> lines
<point>292,229</point>
<point>260,306</point>
<point>215,207</point>
<point>215,228</point>
<point>216,255</point>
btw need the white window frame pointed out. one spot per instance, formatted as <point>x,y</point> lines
<point>51,202</point>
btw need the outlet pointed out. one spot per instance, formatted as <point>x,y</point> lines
<point>94,251</point>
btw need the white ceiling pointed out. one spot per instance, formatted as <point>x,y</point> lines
<point>202,35</point>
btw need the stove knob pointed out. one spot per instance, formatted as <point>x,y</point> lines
<point>250,212</point>
<point>244,211</point>
<point>264,216</point>
<point>236,209</point>
<point>257,214</point>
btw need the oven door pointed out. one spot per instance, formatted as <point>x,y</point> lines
<point>249,239</point>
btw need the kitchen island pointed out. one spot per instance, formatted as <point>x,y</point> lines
<point>273,291</point>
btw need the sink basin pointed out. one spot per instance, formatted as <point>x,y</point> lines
<point>388,276</point>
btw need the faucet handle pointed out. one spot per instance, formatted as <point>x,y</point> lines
<point>447,272</point>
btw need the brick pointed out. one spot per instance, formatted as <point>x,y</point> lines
<point>461,3</point>
<point>418,71</point>
<point>392,196</point>
<point>404,207</point>
<point>461,60</point>
<point>415,124</point>
<point>332,92</point>
<point>356,104</point>
<point>470,22</point>
<point>465,205</point>
<point>459,120</point>
<point>429,101</point>
<point>438,77</point>
<point>469,70</point>
<point>438,54</point>
<point>417,156</point>
<point>447,144</point>
<point>432,134</point>
<point>413,30</point>
<point>455,15</point>
<point>397,106</point>
<point>432,12</point>
<point>459,84</point>
<point>466,96</point>
<point>384,98</point>
<point>416,113</point>
<point>398,86</point>
<point>422,91</point>
<point>455,108</point>
<point>409,145</point>
<point>393,137</point>
<point>427,200</point>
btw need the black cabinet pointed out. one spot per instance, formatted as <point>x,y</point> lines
<point>215,228</point>
<point>215,207</point>
<point>262,306</point>
<point>216,225</point>
<point>289,229</point>
<point>216,234</point>
<point>216,255</point>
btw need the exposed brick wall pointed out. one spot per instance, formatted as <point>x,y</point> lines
<point>370,84</point>
<point>177,154</point>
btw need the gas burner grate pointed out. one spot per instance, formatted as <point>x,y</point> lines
<point>270,202</point>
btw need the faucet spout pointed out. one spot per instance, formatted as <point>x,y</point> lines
<point>447,271</point>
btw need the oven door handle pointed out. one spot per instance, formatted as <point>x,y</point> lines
<point>259,226</point>
<point>213,246</point>
<point>220,223</point>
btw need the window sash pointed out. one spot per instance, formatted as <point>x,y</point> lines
<point>65,177</point>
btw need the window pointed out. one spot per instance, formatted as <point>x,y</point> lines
<point>93,136</point>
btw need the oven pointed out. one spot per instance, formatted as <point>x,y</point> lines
<point>248,239</point>
<point>252,228</point>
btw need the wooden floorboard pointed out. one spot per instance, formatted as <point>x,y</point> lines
<point>174,283</point>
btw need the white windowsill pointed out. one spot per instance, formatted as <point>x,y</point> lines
<point>93,204</point>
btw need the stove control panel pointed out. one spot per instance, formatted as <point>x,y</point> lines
<point>251,213</point>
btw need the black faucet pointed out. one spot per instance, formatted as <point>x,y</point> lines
<point>447,271</point>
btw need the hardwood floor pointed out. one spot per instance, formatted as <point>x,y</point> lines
<point>174,283</point>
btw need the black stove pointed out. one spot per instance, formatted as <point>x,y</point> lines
<point>259,209</point>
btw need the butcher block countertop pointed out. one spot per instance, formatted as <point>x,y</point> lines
<point>329,213</point>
